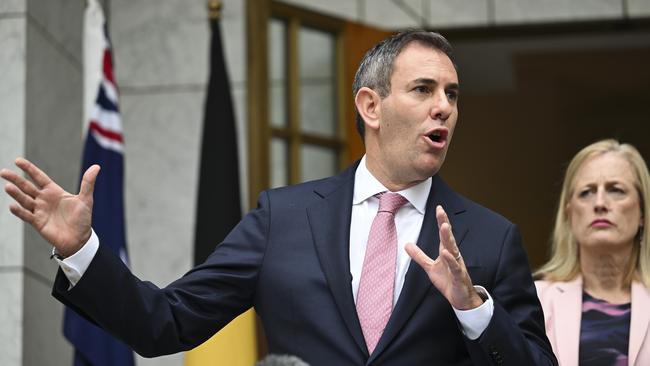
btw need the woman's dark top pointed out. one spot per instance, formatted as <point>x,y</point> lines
<point>604,332</point>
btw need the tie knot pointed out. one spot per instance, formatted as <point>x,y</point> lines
<point>391,202</point>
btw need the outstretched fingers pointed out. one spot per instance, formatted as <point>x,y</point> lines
<point>453,263</point>
<point>88,182</point>
<point>441,216</point>
<point>38,176</point>
<point>21,213</point>
<point>447,239</point>
<point>25,201</point>
<point>419,256</point>
<point>18,182</point>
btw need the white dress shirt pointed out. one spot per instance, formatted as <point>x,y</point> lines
<point>408,222</point>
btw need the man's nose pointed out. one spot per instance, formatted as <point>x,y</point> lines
<point>441,107</point>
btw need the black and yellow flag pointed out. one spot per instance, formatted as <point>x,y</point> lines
<point>219,208</point>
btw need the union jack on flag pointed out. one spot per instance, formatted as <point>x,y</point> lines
<point>104,146</point>
<point>105,122</point>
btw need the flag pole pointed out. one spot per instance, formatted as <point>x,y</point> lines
<point>214,9</point>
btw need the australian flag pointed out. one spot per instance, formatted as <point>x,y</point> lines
<point>104,146</point>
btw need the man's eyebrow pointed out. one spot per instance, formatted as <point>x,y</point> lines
<point>426,81</point>
<point>429,81</point>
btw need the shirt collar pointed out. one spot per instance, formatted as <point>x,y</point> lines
<point>366,186</point>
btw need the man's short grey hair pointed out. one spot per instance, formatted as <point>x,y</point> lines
<point>376,67</point>
<point>281,360</point>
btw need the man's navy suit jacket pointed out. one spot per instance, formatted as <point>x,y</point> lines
<point>289,258</point>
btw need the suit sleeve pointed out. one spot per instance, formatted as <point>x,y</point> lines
<point>156,321</point>
<point>515,334</point>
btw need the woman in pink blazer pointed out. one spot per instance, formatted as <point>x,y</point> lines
<point>594,289</point>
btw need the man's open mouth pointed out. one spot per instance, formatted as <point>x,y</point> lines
<point>438,136</point>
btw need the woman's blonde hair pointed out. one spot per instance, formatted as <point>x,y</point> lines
<point>564,264</point>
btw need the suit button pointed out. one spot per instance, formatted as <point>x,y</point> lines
<point>495,355</point>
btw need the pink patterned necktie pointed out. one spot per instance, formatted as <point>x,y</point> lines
<point>377,283</point>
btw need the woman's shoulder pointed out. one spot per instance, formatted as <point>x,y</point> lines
<point>544,285</point>
<point>551,288</point>
<point>640,291</point>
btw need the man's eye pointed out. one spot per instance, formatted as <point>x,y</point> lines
<point>452,95</point>
<point>422,89</point>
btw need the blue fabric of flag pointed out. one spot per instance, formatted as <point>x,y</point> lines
<point>104,146</point>
<point>93,346</point>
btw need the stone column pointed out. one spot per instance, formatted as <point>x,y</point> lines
<point>40,118</point>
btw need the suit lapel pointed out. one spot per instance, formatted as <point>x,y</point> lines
<point>568,315</point>
<point>329,220</point>
<point>417,283</point>
<point>640,320</point>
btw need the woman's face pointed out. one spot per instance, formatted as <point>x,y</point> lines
<point>604,209</point>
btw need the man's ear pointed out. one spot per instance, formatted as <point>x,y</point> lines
<point>369,107</point>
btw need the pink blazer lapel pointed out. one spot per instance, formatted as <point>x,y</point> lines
<point>639,323</point>
<point>567,309</point>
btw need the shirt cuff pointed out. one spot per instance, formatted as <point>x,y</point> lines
<point>474,321</point>
<point>76,265</point>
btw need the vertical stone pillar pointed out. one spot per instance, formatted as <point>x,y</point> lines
<point>40,118</point>
<point>12,143</point>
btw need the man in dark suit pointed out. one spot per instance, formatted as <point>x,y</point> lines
<point>302,257</point>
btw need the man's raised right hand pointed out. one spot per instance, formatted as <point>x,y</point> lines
<point>61,218</point>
